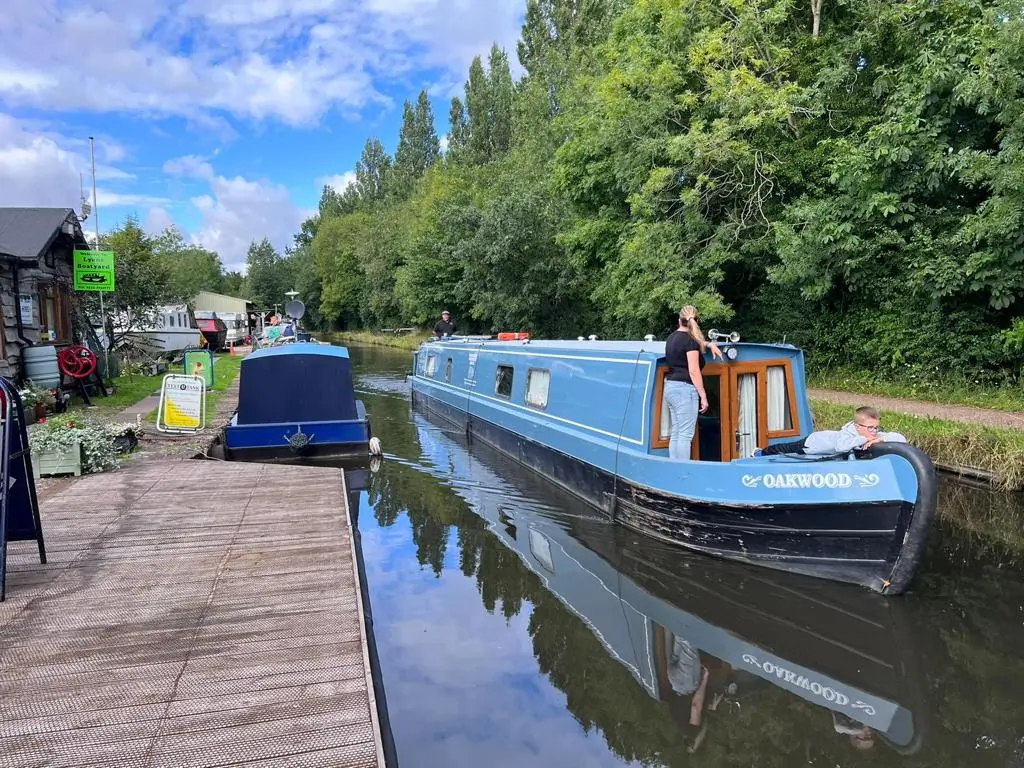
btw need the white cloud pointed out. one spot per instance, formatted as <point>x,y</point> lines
<point>35,169</point>
<point>338,182</point>
<point>238,211</point>
<point>189,165</point>
<point>157,220</point>
<point>289,60</point>
<point>40,166</point>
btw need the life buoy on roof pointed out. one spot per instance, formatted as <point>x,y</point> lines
<point>509,336</point>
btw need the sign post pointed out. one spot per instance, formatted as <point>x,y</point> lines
<point>182,404</point>
<point>94,271</point>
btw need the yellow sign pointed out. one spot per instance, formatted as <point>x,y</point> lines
<point>182,404</point>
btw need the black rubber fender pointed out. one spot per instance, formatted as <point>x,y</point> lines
<point>925,506</point>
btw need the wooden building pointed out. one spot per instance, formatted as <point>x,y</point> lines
<point>36,264</point>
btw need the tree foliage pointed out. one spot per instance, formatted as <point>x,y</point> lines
<point>845,175</point>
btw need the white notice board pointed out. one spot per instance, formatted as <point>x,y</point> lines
<point>182,404</point>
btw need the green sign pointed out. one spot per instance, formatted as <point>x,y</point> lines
<point>94,270</point>
<point>199,362</point>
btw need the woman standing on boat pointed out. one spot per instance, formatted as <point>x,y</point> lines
<point>684,384</point>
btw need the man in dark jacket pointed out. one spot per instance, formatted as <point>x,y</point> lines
<point>445,326</point>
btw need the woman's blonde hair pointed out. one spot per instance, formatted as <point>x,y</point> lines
<point>688,318</point>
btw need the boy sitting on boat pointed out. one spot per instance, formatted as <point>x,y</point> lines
<point>858,435</point>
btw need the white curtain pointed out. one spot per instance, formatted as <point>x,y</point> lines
<point>747,426</point>
<point>778,402</point>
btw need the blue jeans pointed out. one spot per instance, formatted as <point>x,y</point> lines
<point>683,406</point>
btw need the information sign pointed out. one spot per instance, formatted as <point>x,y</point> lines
<point>182,404</point>
<point>94,271</point>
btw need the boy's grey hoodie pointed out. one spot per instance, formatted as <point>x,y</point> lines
<point>845,440</point>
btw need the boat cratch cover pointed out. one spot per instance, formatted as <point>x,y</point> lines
<point>296,383</point>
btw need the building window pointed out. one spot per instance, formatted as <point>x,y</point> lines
<point>448,370</point>
<point>431,365</point>
<point>54,322</point>
<point>538,382</point>
<point>503,381</point>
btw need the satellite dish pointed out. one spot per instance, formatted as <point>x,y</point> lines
<point>295,309</point>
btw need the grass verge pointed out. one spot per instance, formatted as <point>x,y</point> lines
<point>1007,397</point>
<point>372,339</point>
<point>951,444</point>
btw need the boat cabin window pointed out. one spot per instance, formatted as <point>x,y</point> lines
<point>431,365</point>
<point>171,318</point>
<point>538,382</point>
<point>780,415</point>
<point>448,370</point>
<point>503,381</point>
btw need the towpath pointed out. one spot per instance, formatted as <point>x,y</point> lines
<point>966,414</point>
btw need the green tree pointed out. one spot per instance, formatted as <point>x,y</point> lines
<point>191,268</point>
<point>267,276</point>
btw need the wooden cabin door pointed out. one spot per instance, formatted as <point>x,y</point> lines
<point>747,403</point>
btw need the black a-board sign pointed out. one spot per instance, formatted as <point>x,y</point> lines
<point>19,506</point>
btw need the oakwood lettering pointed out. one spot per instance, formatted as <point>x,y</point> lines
<point>828,693</point>
<point>809,480</point>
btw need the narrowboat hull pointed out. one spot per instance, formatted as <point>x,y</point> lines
<point>873,543</point>
<point>312,439</point>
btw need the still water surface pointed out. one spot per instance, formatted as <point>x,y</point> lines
<point>516,627</point>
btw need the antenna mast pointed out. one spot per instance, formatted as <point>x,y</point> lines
<point>96,223</point>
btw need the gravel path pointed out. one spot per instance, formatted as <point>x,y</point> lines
<point>967,414</point>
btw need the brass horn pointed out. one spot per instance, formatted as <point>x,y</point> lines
<point>732,338</point>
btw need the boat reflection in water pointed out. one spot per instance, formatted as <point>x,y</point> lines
<point>701,635</point>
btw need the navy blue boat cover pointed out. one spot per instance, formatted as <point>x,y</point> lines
<point>294,383</point>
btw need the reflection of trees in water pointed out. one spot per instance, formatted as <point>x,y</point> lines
<point>971,647</point>
<point>977,526</point>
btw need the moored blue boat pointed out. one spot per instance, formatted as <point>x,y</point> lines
<point>589,416</point>
<point>297,400</point>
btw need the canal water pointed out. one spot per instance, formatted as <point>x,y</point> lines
<point>516,627</point>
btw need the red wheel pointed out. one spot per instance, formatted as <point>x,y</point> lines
<point>77,362</point>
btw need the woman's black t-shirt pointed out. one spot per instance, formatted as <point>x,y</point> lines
<point>676,347</point>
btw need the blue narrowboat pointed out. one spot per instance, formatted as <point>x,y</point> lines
<point>297,400</point>
<point>589,416</point>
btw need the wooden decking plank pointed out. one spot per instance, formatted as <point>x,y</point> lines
<point>201,614</point>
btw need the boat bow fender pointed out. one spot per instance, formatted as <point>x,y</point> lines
<point>925,504</point>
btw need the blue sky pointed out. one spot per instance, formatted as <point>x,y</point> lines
<point>224,117</point>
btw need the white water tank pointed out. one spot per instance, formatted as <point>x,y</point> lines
<point>41,365</point>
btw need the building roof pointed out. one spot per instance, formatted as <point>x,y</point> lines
<point>26,233</point>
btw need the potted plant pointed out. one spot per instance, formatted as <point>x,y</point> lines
<point>71,444</point>
<point>36,401</point>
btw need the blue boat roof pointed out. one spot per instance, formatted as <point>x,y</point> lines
<point>576,346</point>
<point>298,348</point>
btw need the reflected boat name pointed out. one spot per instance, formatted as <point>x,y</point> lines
<point>828,693</point>
<point>810,480</point>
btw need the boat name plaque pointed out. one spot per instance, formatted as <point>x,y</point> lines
<point>787,480</point>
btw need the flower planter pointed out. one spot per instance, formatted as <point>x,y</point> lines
<point>50,463</point>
